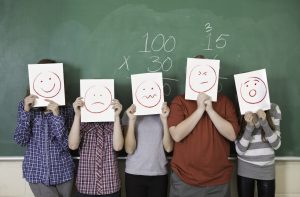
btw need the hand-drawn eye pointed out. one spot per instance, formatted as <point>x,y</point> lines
<point>41,81</point>
<point>49,78</point>
<point>94,94</point>
<point>143,88</point>
<point>100,94</point>
<point>255,84</point>
<point>205,73</point>
<point>199,72</point>
<point>152,88</point>
<point>247,86</point>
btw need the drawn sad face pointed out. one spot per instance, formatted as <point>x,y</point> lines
<point>148,94</point>
<point>253,90</point>
<point>47,84</point>
<point>202,78</point>
<point>97,99</point>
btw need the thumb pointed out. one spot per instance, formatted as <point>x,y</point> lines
<point>48,100</point>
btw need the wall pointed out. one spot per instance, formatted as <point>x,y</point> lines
<point>13,185</point>
<point>104,39</point>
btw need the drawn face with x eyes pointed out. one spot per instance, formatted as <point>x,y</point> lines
<point>202,78</point>
<point>97,99</point>
<point>148,94</point>
<point>47,84</point>
<point>253,90</point>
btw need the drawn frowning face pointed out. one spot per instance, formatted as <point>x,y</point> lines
<point>97,99</point>
<point>148,94</point>
<point>47,84</point>
<point>202,78</point>
<point>253,90</point>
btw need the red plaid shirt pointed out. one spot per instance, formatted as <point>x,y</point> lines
<point>98,168</point>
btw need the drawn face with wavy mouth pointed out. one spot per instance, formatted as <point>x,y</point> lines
<point>253,90</point>
<point>97,99</point>
<point>202,78</point>
<point>47,84</point>
<point>148,94</point>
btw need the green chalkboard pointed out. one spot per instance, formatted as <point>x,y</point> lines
<point>117,38</point>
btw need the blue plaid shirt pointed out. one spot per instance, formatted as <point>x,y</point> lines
<point>47,159</point>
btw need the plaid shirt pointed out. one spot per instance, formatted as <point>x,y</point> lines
<point>98,168</point>
<point>47,159</point>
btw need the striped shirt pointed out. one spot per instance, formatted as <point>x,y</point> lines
<point>47,159</point>
<point>252,151</point>
<point>98,168</point>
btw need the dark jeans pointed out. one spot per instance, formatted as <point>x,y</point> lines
<point>146,186</point>
<point>265,188</point>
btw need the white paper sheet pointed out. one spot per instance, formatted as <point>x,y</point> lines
<point>97,95</point>
<point>47,82</point>
<point>202,75</point>
<point>147,93</point>
<point>252,91</point>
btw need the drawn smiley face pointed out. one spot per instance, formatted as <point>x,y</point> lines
<point>47,84</point>
<point>202,78</point>
<point>148,94</point>
<point>97,99</point>
<point>253,90</point>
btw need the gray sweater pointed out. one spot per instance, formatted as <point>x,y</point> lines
<point>255,157</point>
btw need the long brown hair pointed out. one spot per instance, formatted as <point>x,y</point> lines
<point>243,124</point>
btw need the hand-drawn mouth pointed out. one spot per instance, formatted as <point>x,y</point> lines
<point>98,102</point>
<point>204,82</point>
<point>47,91</point>
<point>252,93</point>
<point>150,96</point>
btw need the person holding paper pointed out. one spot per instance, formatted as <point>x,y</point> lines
<point>146,140</point>
<point>202,131</point>
<point>255,147</point>
<point>48,166</point>
<point>97,173</point>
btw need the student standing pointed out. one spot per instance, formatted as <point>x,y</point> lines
<point>255,147</point>
<point>202,131</point>
<point>47,166</point>
<point>146,140</point>
<point>97,174</point>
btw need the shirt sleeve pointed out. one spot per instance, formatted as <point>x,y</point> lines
<point>125,120</point>
<point>60,126</point>
<point>242,144</point>
<point>23,129</point>
<point>273,137</point>
<point>231,115</point>
<point>176,112</point>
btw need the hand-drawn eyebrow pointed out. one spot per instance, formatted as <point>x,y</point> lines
<point>256,80</point>
<point>246,81</point>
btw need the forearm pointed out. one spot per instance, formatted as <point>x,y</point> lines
<point>23,130</point>
<point>184,128</point>
<point>242,144</point>
<point>130,140</point>
<point>223,126</point>
<point>74,135</point>
<point>167,139</point>
<point>272,137</point>
<point>118,139</point>
<point>22,134</point>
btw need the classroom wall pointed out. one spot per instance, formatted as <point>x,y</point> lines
<point>13,185</point>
